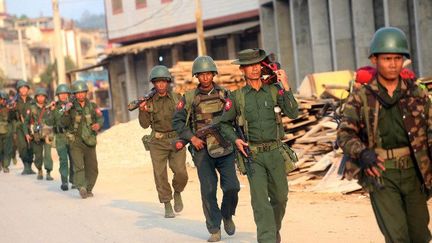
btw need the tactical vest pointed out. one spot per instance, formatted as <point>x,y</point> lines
<point>204,110</point>
<point>83,120</point>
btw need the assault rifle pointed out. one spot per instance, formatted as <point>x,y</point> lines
<point>136,103</point>
<point>212,129</point>
<point>247,160</point>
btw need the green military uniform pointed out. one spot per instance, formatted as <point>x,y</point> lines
<point>82,140</point>
<point>196,110</point>
<point>5,134</point>
<point>61,143</point>
<point>264,135</point>
<point>24,148</point>
<point>159,117</point>
<point>39,119</point>
<point>398,129</point>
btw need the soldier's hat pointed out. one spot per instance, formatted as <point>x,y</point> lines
<point>250,56</point>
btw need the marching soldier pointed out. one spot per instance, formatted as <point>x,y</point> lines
<point>157,113</point>
<point>197,110</point>
<point>38,118</point>
<point>5,133</point>
<point>386,131</point>
<point>61,144</point>
<point>23,104</point>
<point>256,106</point>
<point>83,120</point>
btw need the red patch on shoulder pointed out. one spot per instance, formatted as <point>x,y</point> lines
<point>228,104</point>
<point>407,74</point>
<point>365,74</point>
<point>180,105</point>
<point>281,92</point>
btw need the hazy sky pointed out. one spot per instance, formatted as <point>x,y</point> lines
<point>68,8</point>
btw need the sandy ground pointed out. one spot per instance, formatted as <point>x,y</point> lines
<point>126,209</point>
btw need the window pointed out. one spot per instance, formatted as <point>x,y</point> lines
<point>166,1</point>
<point>140,4</point>
<point>117,6</point>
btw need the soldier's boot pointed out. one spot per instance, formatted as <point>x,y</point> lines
<point>178,202</point>
<point>215,237</point>
<point>64,187</point>
<point>169,213</point>
<point>83,192</point>
<point>25,170</point>
<point>278,237</point>
<point>40,175</point>
<point>6,170</point>
<point>229,226</point>
<point>48,176</point>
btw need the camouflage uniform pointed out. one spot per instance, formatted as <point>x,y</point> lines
<point>5,137</point>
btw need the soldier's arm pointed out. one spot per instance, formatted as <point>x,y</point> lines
<point>228,117</point>
<point>179,121</point>
<point>99,115</point>
<point>288,103</point>
<point>428,117</point>
<point>144,118</point>
<point>349,129</point>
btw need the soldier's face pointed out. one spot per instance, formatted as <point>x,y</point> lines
<point>40,99</point>
<point>251,72</point>
<point>388,66</point>
<point>161,86</point>
<point>205,79</point>
<point>23,90</point>
<point>63,97</point>
<point>81,96</point>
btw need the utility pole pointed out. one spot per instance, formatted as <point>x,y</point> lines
<point>21,49</point>
<point>58,44</point>
<point>200,29</point>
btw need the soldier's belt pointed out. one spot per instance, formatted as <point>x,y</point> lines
<point>399,163</point>
<point>263,147</point>
<point>162,135</point>
<point>389,154</point>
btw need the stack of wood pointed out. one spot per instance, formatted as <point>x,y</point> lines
<point>229,76</point>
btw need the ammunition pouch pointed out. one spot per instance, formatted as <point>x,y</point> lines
<point>88,136</point>
<point>290,157</point>
<point>146,139</point>
<point>215,149</point>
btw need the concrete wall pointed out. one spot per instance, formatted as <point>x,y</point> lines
<point>324,35</point>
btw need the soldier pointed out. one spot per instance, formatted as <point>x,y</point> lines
<point>256,105</point>
<point>199,108</point>
<point>386,129</point>
<point>38,118</point>
<point>5,133</point>
<point>12,99</point>
<point>83,120</point>
<point>157,113</point>
<point>61,144</point>
<point>23,104</point>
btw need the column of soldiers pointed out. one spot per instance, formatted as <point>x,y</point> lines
<point>70,124</point>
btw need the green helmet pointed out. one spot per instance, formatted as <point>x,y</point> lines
<point>3,95</point>
<point>79,86</point>
<point>203,64</point>
<point>62,88</point>
<point>22,83</point>
<point>160,72</point>
<point>41,91</point>
<point>389,40</point>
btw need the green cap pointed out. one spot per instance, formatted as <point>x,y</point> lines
<point>160,72</point>
<point>79,86</point>
<point>389,40</point>
<point>203,64</point>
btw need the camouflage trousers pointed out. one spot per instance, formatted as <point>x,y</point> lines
<point>161,152</point>
<point>400,208</point>
<point>269,193</point>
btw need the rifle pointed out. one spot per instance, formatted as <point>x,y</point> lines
<point>247,160</point>
<point>212,129</point>
<point>269,67</point>
<point>136,103</point>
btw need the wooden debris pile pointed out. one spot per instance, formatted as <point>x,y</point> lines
<point>229,76</point>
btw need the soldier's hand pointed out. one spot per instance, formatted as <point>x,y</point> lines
<point>240,146</point>
<point>197,143</point>
<point>52,105</point>
<point>283,78</point>
<point>95,127</point>
<point>143,106</point>
<point>371,163</point>
<point>28,138</point>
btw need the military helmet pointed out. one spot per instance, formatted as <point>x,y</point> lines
<point>62,88</point>
<point>22,83</point>
<point>79,86</point>
<point>41,91</point>
<point>160,72</point>
<point>203,64</point>
<point>3,95</point>
<point>389,40</point>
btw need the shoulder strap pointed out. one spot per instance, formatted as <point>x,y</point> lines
<point>240,107</point>
<point>189,99</point>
